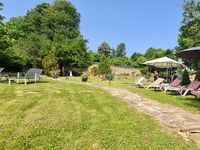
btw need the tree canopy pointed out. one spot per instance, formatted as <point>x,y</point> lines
<point>105,49</point>
<point>189,32</point>
<point>45,26</point>
<point>120,50</point>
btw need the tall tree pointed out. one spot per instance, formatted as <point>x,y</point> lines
<point>51,25</point>
<point>9,57</point>
<point>105,49</point>
<point>104,66</point>
<point>121,50</point>
<point>189,32</point>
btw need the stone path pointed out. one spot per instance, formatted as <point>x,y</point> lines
<point>176,119</point>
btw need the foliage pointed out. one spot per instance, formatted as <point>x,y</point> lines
<point>104,49</point>
<point>179,73</point>
<point>50,64</point>
<point>11,58</point>
<point>153,53</point>
<point>85,77</point>
<point>104,66</point>
<point>1,7</point>
<point>189,32</point>
<point>121,61</point>
<point>138,62</point>
<point>144,71</point>
<point>36,47</point>
<point>94,56</point>
<point>134,56</point>
<point>170,53</point>
<point>50,25</point>
<point>120,50</point>
<point>185,79</point>
<point>73,53</point>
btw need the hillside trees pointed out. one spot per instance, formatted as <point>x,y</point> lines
<point>50,25</point>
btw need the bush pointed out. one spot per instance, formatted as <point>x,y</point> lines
<point>185,78</point>
<point>109,76</point>
<point>144,71</point>
<point>85,77</point>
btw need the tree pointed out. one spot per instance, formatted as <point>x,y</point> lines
<point>1,8</point>
<point>104,66</point>
<point>170,53</point>
<point>189,32</point>
<point>134,56</point>
<point>153,53</point>
<point>10,57</point>
<point>138,62</point>
<point>185,79</point>
<point>51,25</point>
<point>121,61</point>
<point>73,53</point>
<point>104,49</point>
<point>94,57</point>
<point>50,64</point>
<point>121,50</point>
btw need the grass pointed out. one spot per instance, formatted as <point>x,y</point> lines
<point>55,115</point>
<point>189,102</point>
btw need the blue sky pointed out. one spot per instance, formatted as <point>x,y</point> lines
<point>140,24</point>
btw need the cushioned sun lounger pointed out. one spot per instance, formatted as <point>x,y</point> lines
<point>174,83</point>
<point>31,73</point>
<point>184,90</point>
<point>156,84</point>
<point>140,82</point>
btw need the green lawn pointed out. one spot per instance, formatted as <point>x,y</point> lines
<point>55,115</point>
<point>188,102</point>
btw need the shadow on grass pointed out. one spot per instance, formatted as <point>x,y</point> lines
<point>20,83</point>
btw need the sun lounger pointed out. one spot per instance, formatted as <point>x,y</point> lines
<point>184,90</point>
<point>156,84</point>
<point>140,82</point>
<point>196,93</point>
<point>31,73</point>
<point>174,83</point>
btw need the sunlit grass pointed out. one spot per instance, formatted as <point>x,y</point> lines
<point>188,102</point>
<point>57,115</point>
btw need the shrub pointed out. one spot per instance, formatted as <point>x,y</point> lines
<point>109,76</point>
<point>185,78</point>
<point>85,77</point>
